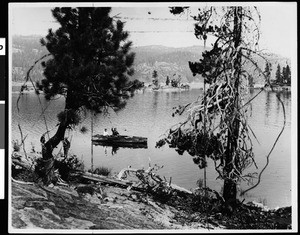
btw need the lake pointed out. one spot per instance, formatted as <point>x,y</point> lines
<point>148,114</point>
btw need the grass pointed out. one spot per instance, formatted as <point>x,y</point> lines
<point>16,146</point>
<point>102,170</point>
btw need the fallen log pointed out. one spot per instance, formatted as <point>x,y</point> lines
<point>21,182</point>
<point>20,160</point>
<point>124,172</point>
<point>125,183</point>
<point>104,179</point>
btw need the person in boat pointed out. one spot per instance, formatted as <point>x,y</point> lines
<point>105,133</point>
<point>114,131</point>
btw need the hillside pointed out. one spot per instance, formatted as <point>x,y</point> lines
<point>167,61</point>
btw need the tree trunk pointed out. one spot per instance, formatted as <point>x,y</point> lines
<point>230,187</point>
<point>47,168</point>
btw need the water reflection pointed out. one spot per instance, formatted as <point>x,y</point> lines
<point>268,106</point>
<point>114,150</point>
<point>167,99</point>
<point>278,105</point>
<point>174,95</point>
<point>251,91</point>
<point>285,99</point>
<point>285,96</point>
<point>155,100</point>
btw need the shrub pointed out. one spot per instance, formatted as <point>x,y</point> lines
<point>16,146</point>
<point>67,166</point>
<point>64,166</point>
<point>102,171</point>
<point>200,183</point>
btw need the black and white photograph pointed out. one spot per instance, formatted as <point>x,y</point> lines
<point>152,117</point>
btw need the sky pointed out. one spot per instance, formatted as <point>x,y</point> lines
<point>153,24</point>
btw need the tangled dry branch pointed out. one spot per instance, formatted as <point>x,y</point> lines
<point>223,109</point>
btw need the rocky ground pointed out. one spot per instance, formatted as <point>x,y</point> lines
<point>93,205</point>
<point>59,207</point>
<point>90,206</point>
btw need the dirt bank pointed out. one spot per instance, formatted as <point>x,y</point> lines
<point>59,207</point>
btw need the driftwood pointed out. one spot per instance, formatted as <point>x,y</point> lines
<point>21,182</point>
<point>126,171</point>
<point>21,160</point>
<point>121,180</point>
<point>143,178</point>
<point>102,179</point>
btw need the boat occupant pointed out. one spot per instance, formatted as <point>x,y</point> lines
<point>105,133</point>
<point>114,131</point>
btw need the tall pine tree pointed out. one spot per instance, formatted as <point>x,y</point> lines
<point>283,74</point>
<point>267,71</point>
<point>90,66</point>
<point>278,75</point>
<point>288,75</point>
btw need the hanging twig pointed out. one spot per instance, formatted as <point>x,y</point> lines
<point>268,156</point>
<point>23,141</point>
<point>29,78</point>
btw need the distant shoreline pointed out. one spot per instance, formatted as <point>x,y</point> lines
<point>193,85</point>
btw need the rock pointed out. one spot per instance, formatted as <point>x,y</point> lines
<point>61,207</point>
<point>134,197</point>
<point>64,208</point>
<point>258,204</point>
<point>51,208</point>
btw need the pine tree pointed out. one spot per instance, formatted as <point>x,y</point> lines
<point>167,81</point>
<point>90,66</point>
<point>288,75</point>
<point>284,78</point>
<point>278,75</point>
<point>267,71</point>
<point>155,79</point>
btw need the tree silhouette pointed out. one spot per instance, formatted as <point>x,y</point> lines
<point>278,75</point>
<point>267,71</point>
<point>90,66</point>
<point>217,126</point>
<point>155,79</point>
<point>167,81</point>
<point>286,75</point>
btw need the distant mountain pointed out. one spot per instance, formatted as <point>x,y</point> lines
<point>25,51</point>
<point>167,61</point>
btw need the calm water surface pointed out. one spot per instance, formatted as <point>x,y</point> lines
<point>149,115</point>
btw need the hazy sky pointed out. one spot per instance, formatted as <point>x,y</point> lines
<point>153,24</point>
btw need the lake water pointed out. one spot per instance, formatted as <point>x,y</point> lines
<point>149,115</point>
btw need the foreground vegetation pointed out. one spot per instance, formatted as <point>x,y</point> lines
<point>201,209</point>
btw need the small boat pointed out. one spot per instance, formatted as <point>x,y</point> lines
<point>120,141</point>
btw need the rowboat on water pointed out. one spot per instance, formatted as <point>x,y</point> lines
<point>120,141</point>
